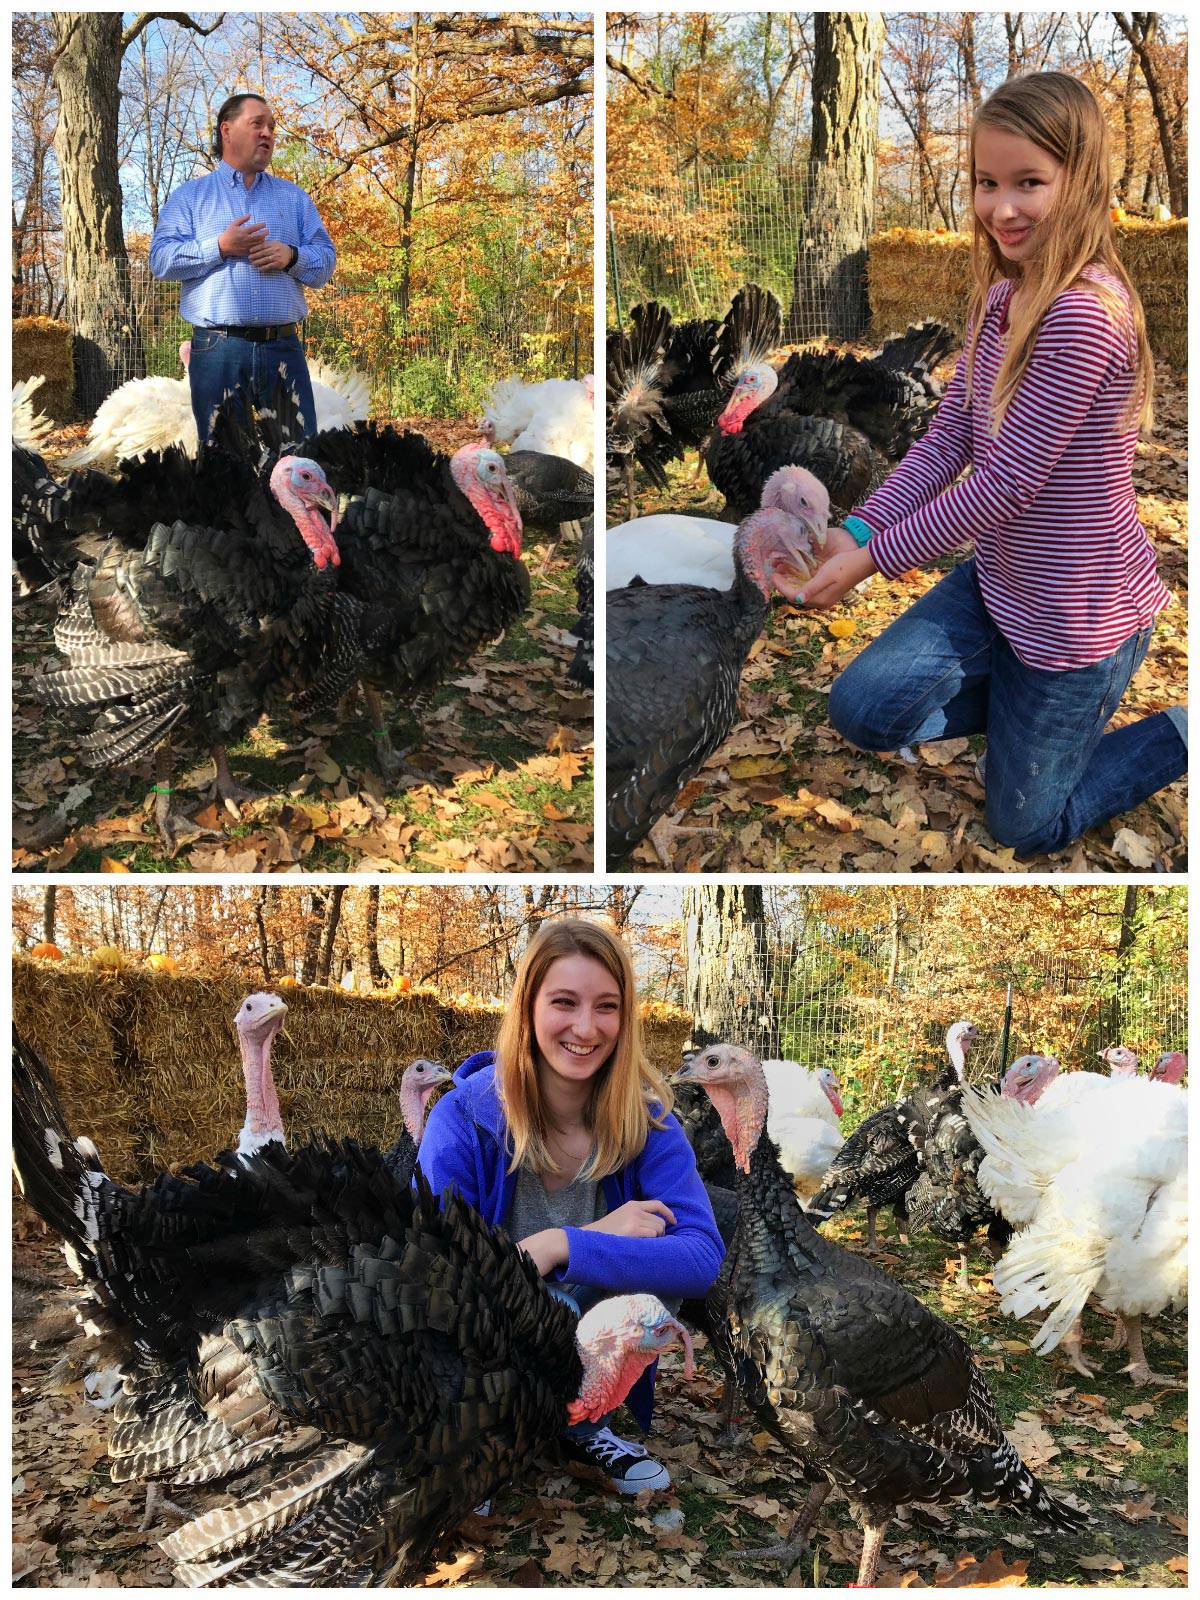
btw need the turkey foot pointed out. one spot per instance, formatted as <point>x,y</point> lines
<point>1139,1368</point>
<point>729,1435</point>
<point>964,1277</point>
<point>174,829</point>
<point>666,830</point>
<point>391,761</point>
<point>1073,1344</point>
<point>156,1504</point>
<point>793,1547</point>
<point>226,788</point>
<point>1116,1341</point>
<point>872,1245</point>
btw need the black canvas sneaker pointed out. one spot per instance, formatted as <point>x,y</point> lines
<point>626,1467</point>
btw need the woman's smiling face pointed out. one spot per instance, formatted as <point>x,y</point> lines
<point>1016,186</point>
<point>576,1017</point>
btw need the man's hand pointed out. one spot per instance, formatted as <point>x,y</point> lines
<point>636,1219</point>
<point>843,564</point>
<point>270,255</point>
<point>239,240</point>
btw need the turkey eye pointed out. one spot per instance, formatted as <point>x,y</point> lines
<point>712,1061</point>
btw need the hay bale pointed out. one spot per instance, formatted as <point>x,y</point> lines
<point>913,273</point>
<point>40,345</point>
<point>664,1039</point>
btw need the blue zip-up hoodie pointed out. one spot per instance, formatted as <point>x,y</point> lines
<point>465,1146</point>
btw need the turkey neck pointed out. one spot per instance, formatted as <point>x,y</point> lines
<point>772,1226</point>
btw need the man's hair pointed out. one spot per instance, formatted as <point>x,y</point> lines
<point>227,113</point>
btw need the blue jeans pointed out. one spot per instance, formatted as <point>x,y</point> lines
<point>944,669</point>
<point>222,363</point>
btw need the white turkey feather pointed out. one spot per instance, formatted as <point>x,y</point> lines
<point>670,549</point>
<point>554,417</point>
<point>29,428</point>
<point>802,1122</point>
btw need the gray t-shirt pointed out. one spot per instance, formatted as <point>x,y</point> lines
<point>535,1207</point>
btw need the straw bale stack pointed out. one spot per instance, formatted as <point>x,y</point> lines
<point>914,273</point>
<point>40,345</point>
<point>147,1063</point>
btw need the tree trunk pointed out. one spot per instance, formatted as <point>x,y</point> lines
<point>830,275</point>
<point>1116,1005</point>
<point>312,936</point>
<point>379,973</point>
<point>87,67</point>
<point>331,926</point>
<point>49,900</point>
<point>1141,34</point>
<point>728,988</point>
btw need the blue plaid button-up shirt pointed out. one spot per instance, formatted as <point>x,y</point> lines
<point>217,292</point>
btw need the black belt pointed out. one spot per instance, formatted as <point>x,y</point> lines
<point>260,335</point>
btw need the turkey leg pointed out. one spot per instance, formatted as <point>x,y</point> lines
<point>728,1434</point>
<point>391,760</point>
<point>872,1243</point>
<point>1139,1368</point>
<point>793,1547</point>
<point>872,1544</point>
<point>233,795</point>
<point>1116,1340</point>
<point>156,1504</point>
<point>174,829</point>
<point>964,1277</point>
<point>1073,1344</point>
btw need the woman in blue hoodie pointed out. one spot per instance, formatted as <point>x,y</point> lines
<point>563,1136</point>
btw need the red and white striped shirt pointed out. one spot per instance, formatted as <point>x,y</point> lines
<point>1065,568</point>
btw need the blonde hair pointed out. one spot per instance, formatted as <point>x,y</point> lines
<point>618,1110</point>
<point>1062,117</point>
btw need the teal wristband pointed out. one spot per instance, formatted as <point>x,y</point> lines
<point>858,530</point>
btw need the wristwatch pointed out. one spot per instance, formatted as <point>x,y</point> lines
<point>293,261</point>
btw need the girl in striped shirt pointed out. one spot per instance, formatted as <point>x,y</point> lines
<point>1035,637</point>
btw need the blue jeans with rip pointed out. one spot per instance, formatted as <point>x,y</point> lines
<point>222,362</point>
<point>944,669</point>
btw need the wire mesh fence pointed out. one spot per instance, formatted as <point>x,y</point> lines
<point>692,239</point>
<point>876,1009</point>
<point>436,355</point>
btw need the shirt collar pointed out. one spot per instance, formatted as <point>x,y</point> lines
<point>232,176</point>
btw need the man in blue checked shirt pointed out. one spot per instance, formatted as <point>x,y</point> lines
<point>242,242</point>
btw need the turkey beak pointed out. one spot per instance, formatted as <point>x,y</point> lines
<point>325,497</point>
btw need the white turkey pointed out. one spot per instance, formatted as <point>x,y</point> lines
<point>155,413</point>
<point>803,1119</point>
<point>1100,1186</point>
<point>380,1363</point>
<point>554,417</point>
<point>29,427</point>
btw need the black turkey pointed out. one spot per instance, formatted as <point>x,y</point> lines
<point>549,490</point>
<point>675,655</point>
<point>669,381</point>
<point>847,418</point>
<point>384,1363</point>
<point>431,551</point>
<point>863,1385</point>
<point>880,1161</point>
<point>231,608</point>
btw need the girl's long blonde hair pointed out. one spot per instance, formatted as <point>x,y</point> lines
<point>618,1110</point>
<point>1062,117</point>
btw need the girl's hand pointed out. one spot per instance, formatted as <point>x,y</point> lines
<point>636,1219</point>
<point>547,1249</point>
<point>836,576</point>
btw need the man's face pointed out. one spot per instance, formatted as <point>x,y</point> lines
<point>248,137</point>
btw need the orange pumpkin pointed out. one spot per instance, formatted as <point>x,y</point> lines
<point>47,951</point>
<point>402,984</point>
